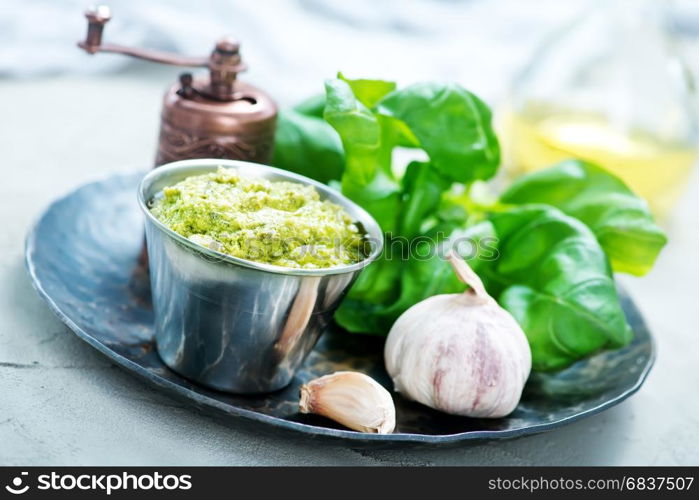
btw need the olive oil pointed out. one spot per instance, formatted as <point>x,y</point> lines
<point>655,169</point>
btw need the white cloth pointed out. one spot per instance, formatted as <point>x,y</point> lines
<point>292,45</point>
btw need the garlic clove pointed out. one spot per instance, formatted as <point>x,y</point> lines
<point>352,399</point>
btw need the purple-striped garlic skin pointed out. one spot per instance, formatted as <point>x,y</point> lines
<point>459,353</point>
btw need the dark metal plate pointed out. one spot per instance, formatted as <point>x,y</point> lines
<point>82,257</point>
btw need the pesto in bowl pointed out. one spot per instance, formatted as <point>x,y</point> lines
<point>274,222</point>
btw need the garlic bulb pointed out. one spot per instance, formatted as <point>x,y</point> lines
<point>459,353</point>
<point>352,399</point>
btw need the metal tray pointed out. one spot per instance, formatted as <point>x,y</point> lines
<point>82,256</point>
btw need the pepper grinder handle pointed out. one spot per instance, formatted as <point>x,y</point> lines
<point>224,62</point>
<point>97,17</point>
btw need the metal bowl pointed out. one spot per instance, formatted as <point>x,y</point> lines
<point>231,324</point>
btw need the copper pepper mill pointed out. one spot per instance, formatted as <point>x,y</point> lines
<point>205,117</point>
<point>214,116</point>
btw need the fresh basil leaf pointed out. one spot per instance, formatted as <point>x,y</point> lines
<point>478,244</point>
<point>425,274</point>
<point>422,275</point>
<point>379,282</point>
<point>368,143</point>
<point>553,276</point>
<point>360,316</point>
<point>308,146</point>
<point>422,193</point>
<point>361,310</point>
<point>313,106</point>
<point>395,282</point>
<point>359,130</point>
<point>369,92</point>
<point>451,124</point>
<point>621,220</point>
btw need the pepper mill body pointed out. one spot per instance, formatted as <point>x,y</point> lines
<point>193,126</point>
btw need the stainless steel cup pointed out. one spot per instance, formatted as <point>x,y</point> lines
<point>232,324</point>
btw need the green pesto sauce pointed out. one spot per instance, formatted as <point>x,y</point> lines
<point>281,223</point>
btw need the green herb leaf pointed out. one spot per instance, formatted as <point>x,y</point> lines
<point>362,113</point>
<point>554,277</point>
<point>417,278</point>
<point>451,124</point>
<point>308,146</point>
<point>621,220</point>
<point>313,106</point>
<point>368,142</point>
<point>422,193</point>
<point>369,92</point>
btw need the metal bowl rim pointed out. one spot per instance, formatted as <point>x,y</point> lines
<point>206,165</point>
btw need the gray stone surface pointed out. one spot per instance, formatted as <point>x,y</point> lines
<point>62,403</point>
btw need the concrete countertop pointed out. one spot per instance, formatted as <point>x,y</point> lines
<point>62,403</point>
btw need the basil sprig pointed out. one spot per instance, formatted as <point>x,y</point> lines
<point>553,238</point>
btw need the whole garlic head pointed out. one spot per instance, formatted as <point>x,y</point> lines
<point>459,353</point>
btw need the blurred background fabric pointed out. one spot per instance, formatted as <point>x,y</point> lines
<point>292,45</point>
